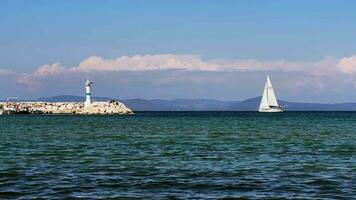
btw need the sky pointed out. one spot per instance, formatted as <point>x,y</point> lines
<point>168,49</point>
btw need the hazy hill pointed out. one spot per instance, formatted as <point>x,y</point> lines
<point>253,103</point>
<point>69,98</point>
<point>208,104</point>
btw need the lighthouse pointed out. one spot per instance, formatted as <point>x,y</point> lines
<point>88,85</point>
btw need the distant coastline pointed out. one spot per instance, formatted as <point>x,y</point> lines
<point>206,104</point>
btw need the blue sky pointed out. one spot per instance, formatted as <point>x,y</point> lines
<point>37,33</point>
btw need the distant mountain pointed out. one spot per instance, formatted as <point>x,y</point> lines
<point>144,105</point>
<point>70,98</point>
<point>253,103</point>
<point>246,105</point>
<point>189,104</point>
<point>61,98</point>
<point>208,104</point>
<point>292,106</point>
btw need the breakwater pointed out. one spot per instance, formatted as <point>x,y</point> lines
<point>96,108</point>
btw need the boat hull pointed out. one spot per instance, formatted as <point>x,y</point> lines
<point>272,110</point>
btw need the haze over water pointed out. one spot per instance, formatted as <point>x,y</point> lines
<point>179,155</point>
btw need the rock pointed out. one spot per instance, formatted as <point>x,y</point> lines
<point>106,108</point>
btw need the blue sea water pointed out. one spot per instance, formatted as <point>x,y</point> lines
<point>179,155</point>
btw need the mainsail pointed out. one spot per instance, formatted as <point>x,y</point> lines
<point>264,101</point>
<point>268,98</point>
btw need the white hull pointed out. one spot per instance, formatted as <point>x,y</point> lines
<point>271,110</point>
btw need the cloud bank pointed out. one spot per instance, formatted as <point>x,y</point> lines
<point>145,62</point>
<point>327,65</point>
<point>179,76</point>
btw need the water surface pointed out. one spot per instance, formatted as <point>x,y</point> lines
<point>183,155</point>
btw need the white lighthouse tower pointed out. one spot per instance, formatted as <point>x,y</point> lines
<point>88,85</point>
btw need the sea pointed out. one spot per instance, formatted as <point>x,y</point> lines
<point>179,155</point>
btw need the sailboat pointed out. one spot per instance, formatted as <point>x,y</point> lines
<point>269,101</point>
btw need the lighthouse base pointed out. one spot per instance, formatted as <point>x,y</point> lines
<point>87,104</point>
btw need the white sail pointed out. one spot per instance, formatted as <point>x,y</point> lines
<point>269,100</point>
<point>272,100</point>
<point>264,101</point>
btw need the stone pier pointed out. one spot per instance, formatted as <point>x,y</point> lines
<point>96,108</point>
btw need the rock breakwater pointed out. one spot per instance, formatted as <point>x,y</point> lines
<point>96,108</point>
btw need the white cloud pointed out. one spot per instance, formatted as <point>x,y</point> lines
<point>33,80</point>
<point>46,70</point>
<point>347,64</point>
<point>322,67</point>
<point>145,62</point>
